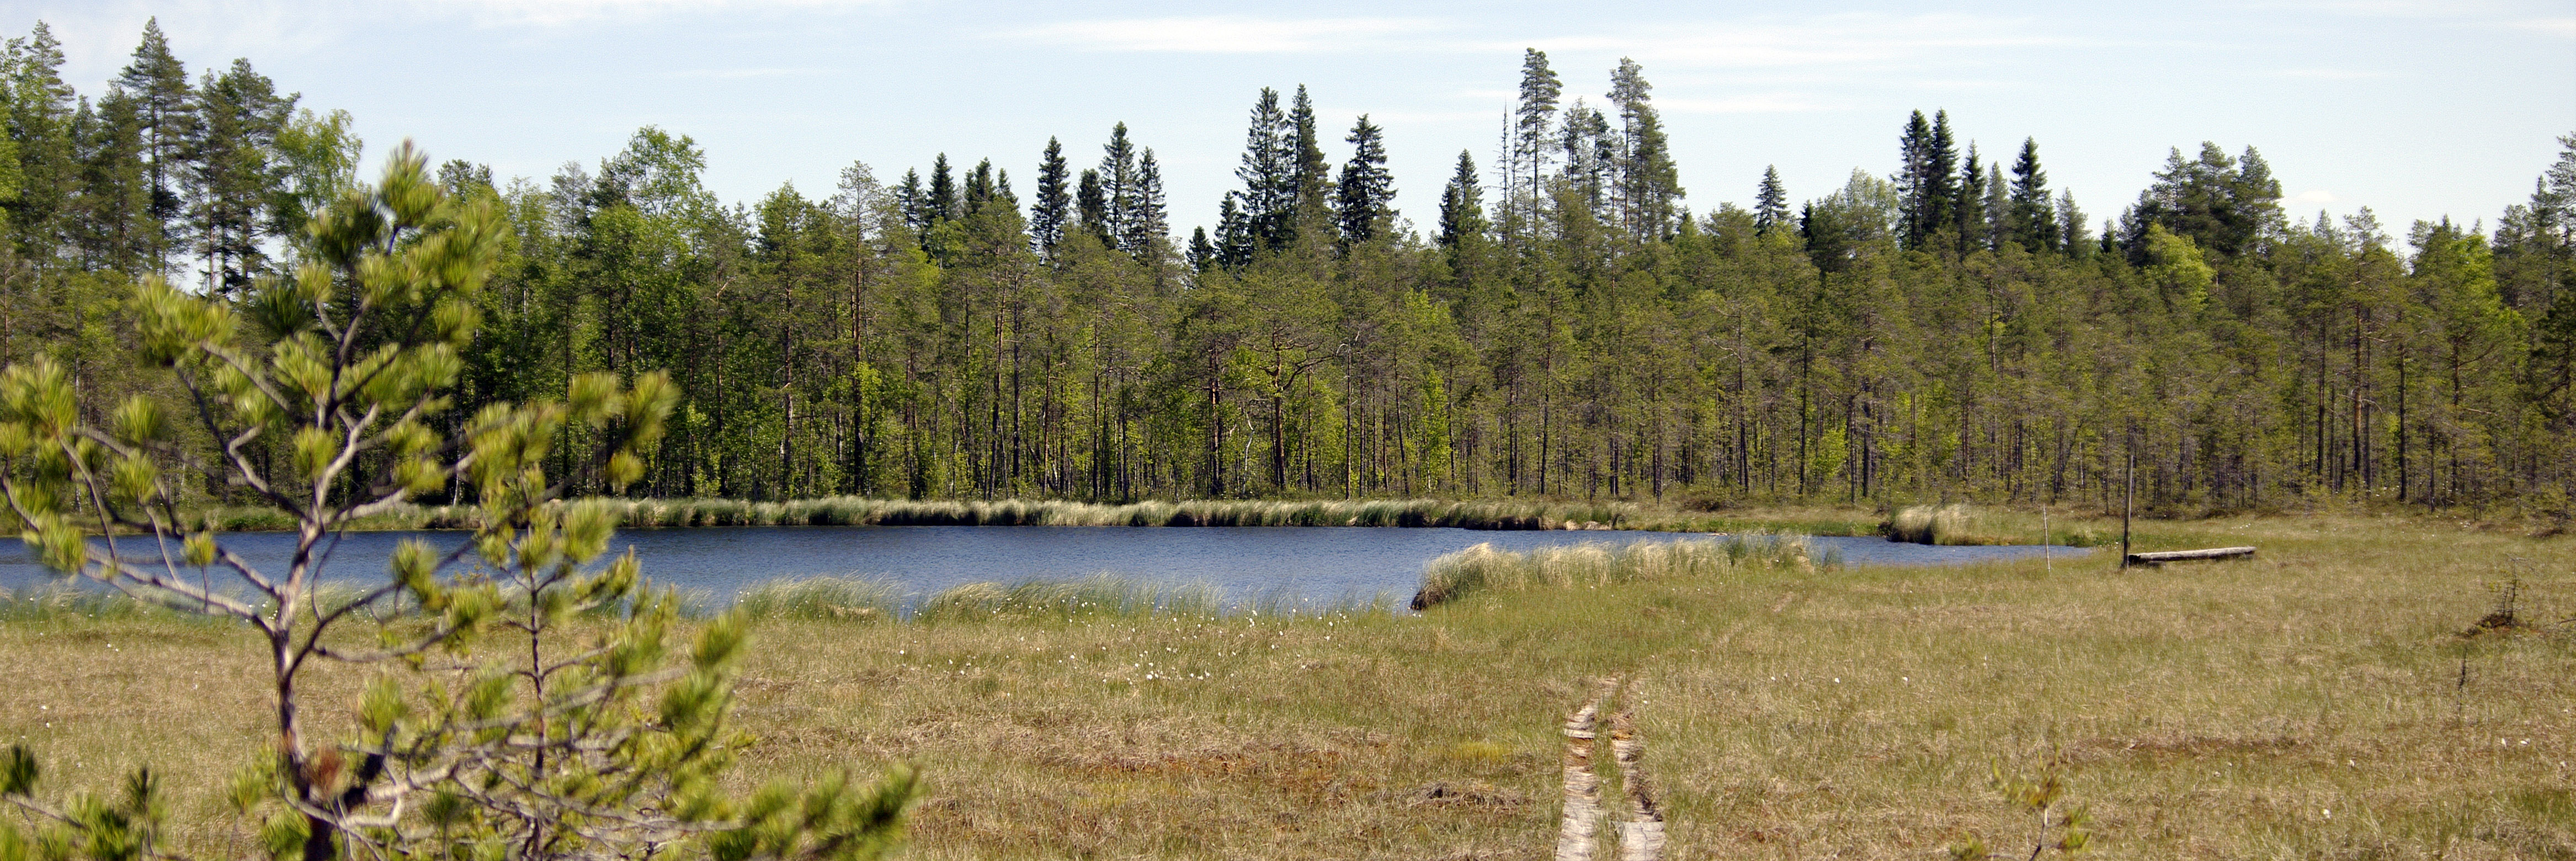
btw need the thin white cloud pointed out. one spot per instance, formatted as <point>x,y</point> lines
<point>559,12</point>
<point>1229,34</point>
<point>2331,74</point>
<point>1757,103</point>
<point>2311,197</point>
<point>2561,27</point>
<point>1834,40</point>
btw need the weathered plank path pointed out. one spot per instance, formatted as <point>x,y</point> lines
<point>2191,555</point>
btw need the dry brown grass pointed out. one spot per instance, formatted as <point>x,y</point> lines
<point>2199,711</point>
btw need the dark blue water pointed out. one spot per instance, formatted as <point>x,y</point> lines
<point>1314,564</point>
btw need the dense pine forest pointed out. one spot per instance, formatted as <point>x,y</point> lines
<point>1567,324</point>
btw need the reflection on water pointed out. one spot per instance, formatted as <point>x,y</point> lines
<point>1314,564</point>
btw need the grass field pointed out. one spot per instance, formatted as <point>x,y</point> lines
<point>2321,701</point>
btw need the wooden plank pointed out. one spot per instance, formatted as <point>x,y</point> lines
<point>2190,555</point>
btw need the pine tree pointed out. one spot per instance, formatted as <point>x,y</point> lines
<point>1648,181</point>
<point>231,178</point>
<point>1770,202</point>
<point>1047,215</point>
<point>2030,222</point>
<point>1462,210</point>
<point>165,112</point>
<point>112,223</point>
<point>1583,138</point>
<point>1539,91</point>
<point>1367,189</point>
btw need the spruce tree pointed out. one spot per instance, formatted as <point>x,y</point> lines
<point>1202,255</point>
<point>915,204</point>
<point>166,117</point>
<point>1968,210</point>
<point>1048,214</point>
<point>1148,222</point>
<point>1091,206</point>
<point>1367,189</point>
<point>1236,235</point>
<point>2030,223</point>
<point>112,223</point>
<point>39,121</point>
<point>1118,188</point>
<point>942,204</point>
<point>1462,210</point>
<point>1269,196</point>
<point>1313,175</point>
<point>1770,202</point>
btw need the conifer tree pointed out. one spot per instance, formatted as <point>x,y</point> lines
<point>915,203</point>
<point>113,225</point>
<point>2030,221</point>
<point>1236,235</point>
<point>1968,210</point>
<point>1313,176</point>
<point>1203,254</point>
<point>1540,88</point>
<point>165,114</point>
<point>1118,188</point>
<point>1148,221</point>
<point>1269,174</point>
<point>2071,232</point>
<point>231,173</point>
<point>40,128</point>
<point>1584,140</point>
<point>1462,210</point>
<point>1367,189</point>
<point>943,203</point>
<point>1649,183</point>
<point>1770,202</point>
<point>1091,206</point>
<point>1048,214</point>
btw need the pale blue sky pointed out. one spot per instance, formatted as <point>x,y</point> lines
<point>2416,109</point>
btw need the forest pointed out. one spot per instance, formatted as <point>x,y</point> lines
<point>1566,325</point>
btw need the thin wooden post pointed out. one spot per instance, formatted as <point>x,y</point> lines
<point>2045,563</point>
<point>2128,507</point>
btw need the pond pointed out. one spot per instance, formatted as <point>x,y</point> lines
<point>1298,564</point>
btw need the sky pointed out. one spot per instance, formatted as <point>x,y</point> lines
<point>2418,110</point>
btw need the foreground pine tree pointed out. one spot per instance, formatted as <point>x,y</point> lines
<point>524,703</point>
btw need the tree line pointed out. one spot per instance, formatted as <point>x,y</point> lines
<point>1566,326</point>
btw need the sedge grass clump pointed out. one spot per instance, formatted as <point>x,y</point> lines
<point>1097,597</point>
<point>1482,567</point>
<point>845,599</point>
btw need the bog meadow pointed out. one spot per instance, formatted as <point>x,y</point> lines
<point>214,325</point>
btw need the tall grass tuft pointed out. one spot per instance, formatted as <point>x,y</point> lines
<point>1100,596</point>
<point>1971,526</point>
<point>1482,568</point>
<point>844,599</point>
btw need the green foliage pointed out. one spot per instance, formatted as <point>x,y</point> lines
<point>528,700</point>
